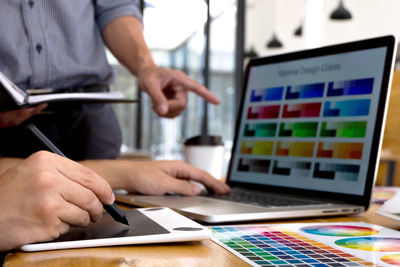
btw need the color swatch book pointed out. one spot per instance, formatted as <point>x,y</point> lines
<point>311,244</point>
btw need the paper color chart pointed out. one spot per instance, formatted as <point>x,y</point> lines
<point>312,244</point>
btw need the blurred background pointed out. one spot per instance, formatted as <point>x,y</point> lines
<point>212,40</point>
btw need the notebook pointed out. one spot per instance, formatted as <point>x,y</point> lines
<point>391,208</point>
<point>12,97</point>
<point>307,138</point>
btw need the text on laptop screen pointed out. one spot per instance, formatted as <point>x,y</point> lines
<point>309,123</point>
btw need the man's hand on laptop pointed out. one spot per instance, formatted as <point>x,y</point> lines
<point>155,177</point>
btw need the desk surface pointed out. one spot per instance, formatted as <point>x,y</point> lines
<point>204,253</point>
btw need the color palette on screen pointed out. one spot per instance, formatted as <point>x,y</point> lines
<point>260,130</point>
<point>345,129</point>
<point>340,150</point>
<point>305,91</point>
<point>351,87</point>
<point>254,165</point>
<point>268,245</point>
<point>347,108</point>
<point>295,149</point>
<point>267,94</point>
<point>346,172</point>
<point>297,168</point>
<point>263,112</point>
<point>257,147</point>
<point>298,129</point>
<point>304,110</point>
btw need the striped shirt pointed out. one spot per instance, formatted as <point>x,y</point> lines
<point>58,43</point>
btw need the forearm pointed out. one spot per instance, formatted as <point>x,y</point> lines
<point>124,37</point>
<point>113,171</point>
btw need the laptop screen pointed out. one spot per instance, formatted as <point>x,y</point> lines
<point>308,122</point>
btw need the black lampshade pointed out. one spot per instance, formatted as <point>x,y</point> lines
<point>251,53</point>
<point>274,42</point>
<point>299,30</point>
<point>341,13</point>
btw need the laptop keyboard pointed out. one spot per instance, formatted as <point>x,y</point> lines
<point>263,199</point>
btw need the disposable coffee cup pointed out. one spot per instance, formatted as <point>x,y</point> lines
<point>206,153</point>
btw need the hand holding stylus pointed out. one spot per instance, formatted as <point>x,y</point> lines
<point>112,209</point>
<point>45,194</point>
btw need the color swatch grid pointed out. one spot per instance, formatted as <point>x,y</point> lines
<point>329,171</point>
<point>318,121</point>
<point>311,245</point>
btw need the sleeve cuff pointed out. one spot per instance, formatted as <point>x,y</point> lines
<point>108,16</point>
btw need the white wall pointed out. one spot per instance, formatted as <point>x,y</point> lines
<point>370,18</point>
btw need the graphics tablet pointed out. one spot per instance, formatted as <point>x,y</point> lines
<point>151,225</point>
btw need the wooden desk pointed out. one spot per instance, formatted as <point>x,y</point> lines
<point>204,253</point>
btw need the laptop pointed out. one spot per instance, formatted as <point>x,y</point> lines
<point>307,140</point>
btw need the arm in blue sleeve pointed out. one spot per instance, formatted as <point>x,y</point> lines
<point>108,10</point>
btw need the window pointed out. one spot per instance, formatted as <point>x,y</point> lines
<point>174,30</point>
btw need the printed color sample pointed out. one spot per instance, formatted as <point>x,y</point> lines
<point>274,246</point>
<point>383,244</point>
<point>339,230</point>
<point>393,259</point>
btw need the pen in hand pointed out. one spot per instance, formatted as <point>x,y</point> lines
<point>116,213</point>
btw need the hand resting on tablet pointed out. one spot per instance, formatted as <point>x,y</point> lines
<point>42,196</point>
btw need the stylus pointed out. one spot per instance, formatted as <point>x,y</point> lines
<point>112,209</point>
